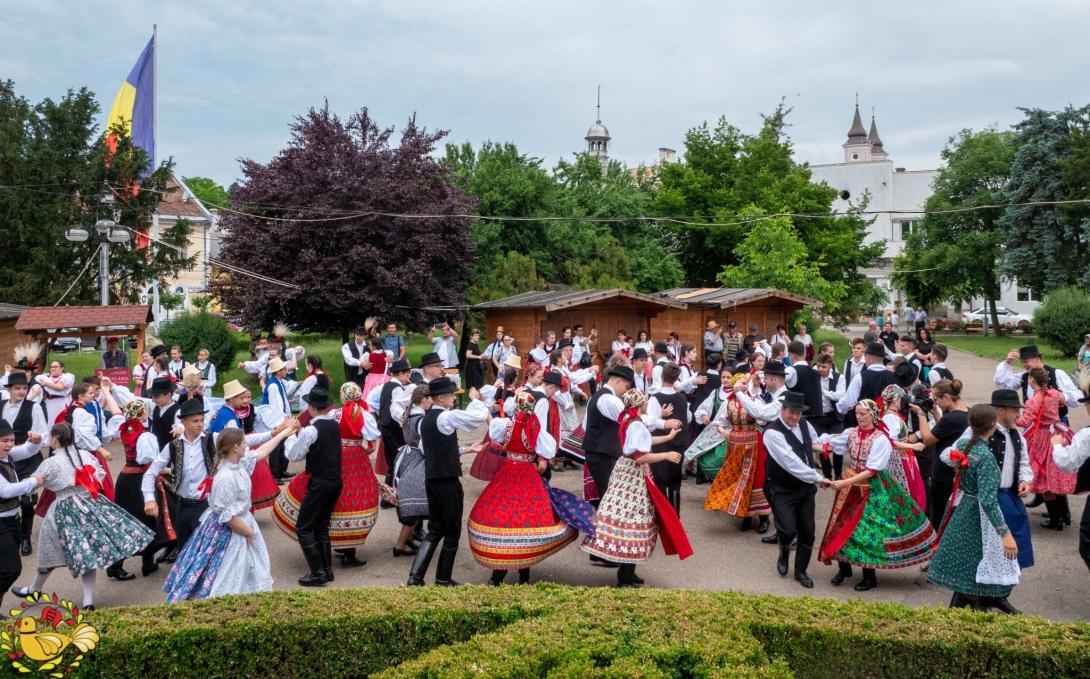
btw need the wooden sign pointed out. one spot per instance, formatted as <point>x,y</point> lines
<point>119,376</point>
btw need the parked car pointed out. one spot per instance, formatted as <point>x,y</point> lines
<point>1007,317</point>
<point>66,344</point>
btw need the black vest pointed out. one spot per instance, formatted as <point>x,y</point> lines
<point>602,435</point>
<point>538,395</point>
<point>703,391</point>
<point>385,399</point>
<point>998,445</point>
<point>680,442</point>
<point>177,459</point>
<point>848,368</point>
<point>944,373</point>
<point>808,383</point>
<point>353,373</point>
<point>162,422</point>
<point>8,471</point>
<point>834,378</point>
<point>874,382</point>
<point>24,420</point>
<point>1051,383</point>
<point>777,474</point>
<point>324,455</point>
<point>441,460</point>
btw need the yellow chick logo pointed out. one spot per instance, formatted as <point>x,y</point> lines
<point>39,639</point>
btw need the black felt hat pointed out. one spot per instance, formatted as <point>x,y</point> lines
<point>318,397</point>
<point>876,349</point>
<point>157,351</point>
<point>794,400</point>
<point>639,353</point>
<point>564,342</point>
<point>905,373</point>
<point>16,379</point>
<point>553,377</point>
<point>624,372</point>
<point>1006,398</point>
<point>430,358</point>
<point>5,429</point>
<point>441,385</point>
<point>662,348</point>
<point>161,385</point>
<point>1029,351</point>
<point>190,407</point>
<point>775,368</point>
<point>399,366</point>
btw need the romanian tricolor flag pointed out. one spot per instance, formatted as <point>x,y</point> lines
<point>133,105</point>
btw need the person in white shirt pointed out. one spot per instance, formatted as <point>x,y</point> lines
<point>208,371</point>
<point>939,371</point>
<point>1006,378</point>
<point>141,371</point>
<point>28,419</point>
<point>663,355</point>
<point>56,389</point>
<point>873,356</point>
<point>354,354</point>
<point>12,487</point>
<point>829,422</point>
<point>791,482</point>
<point>910,317</point>
<point>639,369</point>
<point>1072,458</point>
<point>921,318</point>
<point>177,363</point>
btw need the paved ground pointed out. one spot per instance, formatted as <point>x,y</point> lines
<point>725,559</point>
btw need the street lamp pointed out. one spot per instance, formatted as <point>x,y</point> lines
<point>108,232</point>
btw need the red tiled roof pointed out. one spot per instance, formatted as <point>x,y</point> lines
<point>178,202</point>
<point>48,317</point>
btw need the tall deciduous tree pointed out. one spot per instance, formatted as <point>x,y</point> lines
<point>1047,247</point>
<point>53,154</point>
<point>726,171</point>
<point>956,255</point>
<point>313,218</point>
<point>208,191</point>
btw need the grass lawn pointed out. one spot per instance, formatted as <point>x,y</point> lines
<point>843,349</point>
<point>996,348</point>
<point>328,347</point>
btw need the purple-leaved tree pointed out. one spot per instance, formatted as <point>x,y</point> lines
<point>300,218</point>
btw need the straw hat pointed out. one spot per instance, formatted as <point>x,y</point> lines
<point>190,370</point>
<point>713,324</point>
<point>276,365</point>
<point>514,361</point>
<point>232,389</point>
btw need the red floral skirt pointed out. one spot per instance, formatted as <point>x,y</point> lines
<point>357,508</point>
<point>263,488</point>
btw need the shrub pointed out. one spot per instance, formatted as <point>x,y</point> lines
<point>557,631</point>
<point>808,315</point>
<point>1063,318</point>
<point>193,331</point>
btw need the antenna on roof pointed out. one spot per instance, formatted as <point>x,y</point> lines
<point>598,107</point>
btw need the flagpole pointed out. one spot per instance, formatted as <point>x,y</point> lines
<point>155,149</point>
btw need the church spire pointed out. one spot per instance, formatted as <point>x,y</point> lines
<point>875,141</point>
<point>858,133</point>
<point>598,136</point>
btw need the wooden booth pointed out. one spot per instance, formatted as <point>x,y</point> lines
<point>46,324</point>
<point>763,307</point>
<point>532,314</point>
<point>9,336</point>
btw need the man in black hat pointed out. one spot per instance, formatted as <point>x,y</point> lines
<point>12,488</point>
<point>431,368</point>
<point>320,443</point>
<point>741,361</point>
<point>1011,452</point>
<point>27,420</point>
<point>158,368</point>
<point>1006,378</point>
<point>389,403</point>
<point>354,353</point>
<point>662,357</point>
<point>639,368</point>
<point>775,374</point>
<point>866,384</point>
<point>1073,458</point>
<point>790,483</point>
<point>442,468</point>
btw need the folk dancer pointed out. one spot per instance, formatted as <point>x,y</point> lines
<point>238,412</point>
<point>1072,458</point>
<point>28,423</point>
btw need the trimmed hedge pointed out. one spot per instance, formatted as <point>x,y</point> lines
<point>557,631</point>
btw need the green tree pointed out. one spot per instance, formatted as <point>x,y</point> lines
<point>1047,246</point>
<point>53,152</point>
<point>773,256</point>
<point>726,171</point>
<point>956,255</point>
<point>512,274</point>
<point>207,191</point>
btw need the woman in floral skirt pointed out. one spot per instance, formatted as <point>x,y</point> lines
<point>1041,421</point>
<point>227,553</point>
<point>633,513</point>
<point>904,468</point>
<point>515,523</point>
<point>82,529</point>
<point>977,556</point>
<point>874,523</point>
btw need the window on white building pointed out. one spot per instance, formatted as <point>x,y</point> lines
<point>903,227</point>
<point>1026,295</point>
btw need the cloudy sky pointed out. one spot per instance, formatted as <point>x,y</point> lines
<point>232,75</point>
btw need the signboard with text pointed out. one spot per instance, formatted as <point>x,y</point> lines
<point>120,376</point>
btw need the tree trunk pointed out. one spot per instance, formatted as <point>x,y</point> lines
<point>992,294</point>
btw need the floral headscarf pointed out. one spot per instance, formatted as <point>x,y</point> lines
<point>524,401</point>
<point>350,391</point>
<point>135,409</point>
<point>633,398</point>
<point>891,392</point>
<point>872,409</point>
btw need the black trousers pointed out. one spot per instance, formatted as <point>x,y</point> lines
<point>937,498</point>
<point>600,467</point>
<point>11,565</point>
<point>832,467</point>
<point>278,462</point>
<point>667,477</point>
<point>392,440</point>
<point>792,512</point>
<point>186,517</point>
<point>1084,533</point>
<point>446,502</point>
<point>316,510</point>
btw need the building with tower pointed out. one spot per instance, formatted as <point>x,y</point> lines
<point>598,136</point>
<point>868,169</point>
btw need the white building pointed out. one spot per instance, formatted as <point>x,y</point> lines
<point>868,169</point>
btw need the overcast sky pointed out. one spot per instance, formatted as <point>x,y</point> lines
<point>233,74</point>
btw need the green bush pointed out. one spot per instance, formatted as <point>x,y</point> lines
<point>808,315</point>
<point>557,631</point>
<point>1063,318</point>
<point>193,331</point>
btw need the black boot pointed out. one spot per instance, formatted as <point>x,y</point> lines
<point>316,577</point>
<point>117,571</point>
<point>1000,604</point>
<point>1065,509</point>
<point>747,524</point>
<point>1037,501</point>
<point>445,567</point>
<point>773,539</point>
<point>25,548</point>
<point>1055,515</point>
<point>762,525</point>
<point>147,562</point>
<point>959,600</point>
<point>348,558</point>
<point>423,559</point>
<point>802,562</point>
<point>497,577</point>
<point>844,570</point>
<point>626,575</point>
<point>869,581</point>
<point>781,563</point>
<point>325,548</point>
<point>524,576</point>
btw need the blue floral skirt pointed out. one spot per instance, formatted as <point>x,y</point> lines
<point>195,570</point>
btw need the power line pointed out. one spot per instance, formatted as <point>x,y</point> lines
<point>82,271</point>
